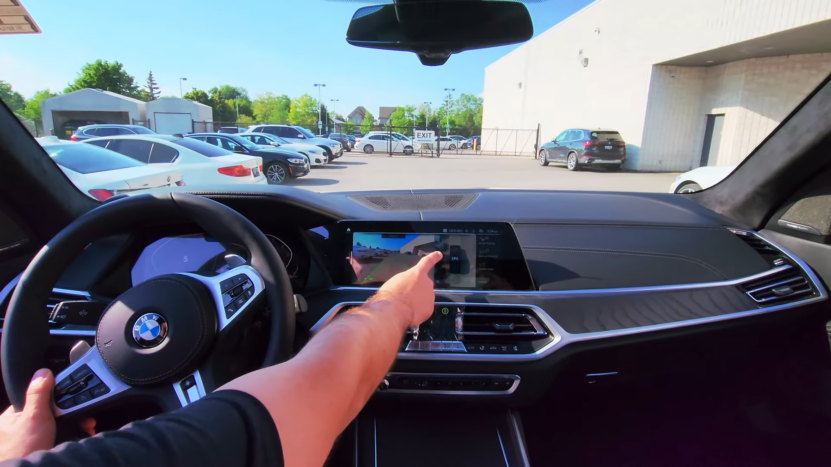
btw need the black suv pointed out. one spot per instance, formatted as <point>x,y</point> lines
<point>342,139</point>
<point>579,146</point>
<point>278,165</point>
<point>102,130</point>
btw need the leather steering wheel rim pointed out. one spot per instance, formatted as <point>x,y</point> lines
<point>25,336</point>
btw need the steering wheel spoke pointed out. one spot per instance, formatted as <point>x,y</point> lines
<point>86,384</point>
<point>233,291</point>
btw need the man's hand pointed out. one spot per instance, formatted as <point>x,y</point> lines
<point>32,429</point>
<point>412,290</point>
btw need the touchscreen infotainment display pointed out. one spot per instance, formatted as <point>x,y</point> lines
<point>484,256</point>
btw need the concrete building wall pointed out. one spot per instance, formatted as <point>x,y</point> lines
<point>622,41</point>
<point>90,100</point>
<point>754,96</point>
<point>198,112</point>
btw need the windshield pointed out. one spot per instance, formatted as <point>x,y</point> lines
<point>88,159</point>
<point>608,95</point>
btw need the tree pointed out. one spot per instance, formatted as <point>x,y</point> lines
<point>12,98</point>
<point>151,89</point>
<point>238,96</point>
<point>467,112</point>
<point>303,112</point>
<point>32,109</point>
<point>269,108</point>
<point>106,76</point>
<point>347,127</point>
<point>368,124</point>
<point>197,95</point>
<point>403,118</point>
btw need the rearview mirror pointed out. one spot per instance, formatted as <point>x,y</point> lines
<point>436,29</point>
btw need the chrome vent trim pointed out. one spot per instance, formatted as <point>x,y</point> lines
<point>532,327</point>
<point>785,287</point>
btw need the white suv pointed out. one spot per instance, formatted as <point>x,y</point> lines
<point>298,134</point>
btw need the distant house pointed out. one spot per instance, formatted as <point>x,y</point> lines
<point>357,115</point>
<point>384,114</point>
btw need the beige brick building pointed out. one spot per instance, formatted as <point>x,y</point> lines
<point>687,83</point>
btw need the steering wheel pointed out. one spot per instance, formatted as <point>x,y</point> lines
<point>170,338</point>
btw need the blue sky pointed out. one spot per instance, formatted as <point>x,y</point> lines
<point>279,46</point>
<point>375,240</point>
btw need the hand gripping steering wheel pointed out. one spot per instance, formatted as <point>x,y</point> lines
<point>166,338</point>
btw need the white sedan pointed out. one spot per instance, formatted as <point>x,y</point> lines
<point>201,163</point>
<point>315,154</point>
<point>102,174</point>
<point>700,179</point>
<point>383,143</point>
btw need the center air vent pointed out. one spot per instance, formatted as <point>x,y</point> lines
<point>786,286</point>
<point>416,202</point>
<point>507,323</point>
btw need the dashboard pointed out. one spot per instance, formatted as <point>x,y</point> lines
<point>526,277</point>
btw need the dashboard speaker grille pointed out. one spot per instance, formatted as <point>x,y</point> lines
<point>416,202</point>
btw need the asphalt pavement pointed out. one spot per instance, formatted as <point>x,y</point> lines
<point>358,171</point>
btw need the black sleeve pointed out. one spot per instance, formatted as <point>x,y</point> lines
<point>227,428</point>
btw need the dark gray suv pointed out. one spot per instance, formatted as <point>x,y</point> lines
<point>102,130</point>
<point>578,147</point>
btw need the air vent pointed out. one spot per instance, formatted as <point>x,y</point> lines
<point>506,323</point>
<point>416,202</point>
<point>786,286</point>
<point>762,247</point>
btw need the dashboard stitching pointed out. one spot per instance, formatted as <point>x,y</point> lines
<point>626,253</point>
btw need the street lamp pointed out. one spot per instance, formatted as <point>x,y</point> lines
<point>180,86</point>
<point>319,121</point>
<point>447,107</point>
<point>334,111</point>
<point>427,117</point>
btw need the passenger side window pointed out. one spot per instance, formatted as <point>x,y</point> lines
<point>272,130</point>
<point>377,137</point>
<point>561,136</point>
<point>162,154</point>
<point>91,132</point>
<point>138,150</point>
<point>125,131</point>
<point>107,132</point>
<point>198,138</point>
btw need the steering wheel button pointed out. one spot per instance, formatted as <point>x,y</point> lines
<point>62,387</point>
<point>226,285</point>
<point>67,403</point>
<point>236,292</point>
<point>229,311</point>
<point>239,302</point>
<point>239,279</point>
<point>249,293</point>
<point>83,398</point>
<point>99,390</point>
<point>80,373</point>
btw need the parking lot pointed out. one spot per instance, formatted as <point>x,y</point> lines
<point>358,171</point>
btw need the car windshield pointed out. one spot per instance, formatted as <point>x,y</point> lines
<point>207,150</point>
<point>607,95</point>
<point>89,159</point>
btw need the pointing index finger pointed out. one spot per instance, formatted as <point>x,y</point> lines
<point>429,261</point>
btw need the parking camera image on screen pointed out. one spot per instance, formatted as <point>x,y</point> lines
<point>376,257</point>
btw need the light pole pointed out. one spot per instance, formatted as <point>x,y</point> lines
<point>319,121</point>
<point>180,86</point>
<point>427,117</point>
<point>334,111</point>
<point>236,103</point>
<point>447,107</point>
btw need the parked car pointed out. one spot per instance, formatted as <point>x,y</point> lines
<point>399,136</point>
<point>352,141</point>
<point>71,126</point>
<point>578,147</point>
<point>383,143</point>
<point>448,143</point>
<point>231,129</point>
<point>98,131</point>
<point>316,155</point>
<point>102,174</point>
<point>469,143</point>
<point>278,164</point>
<point>342,139</point>
<point>700,179</point>
<point>200,163</point>
<point>298,134</point>
<point>459,139</point>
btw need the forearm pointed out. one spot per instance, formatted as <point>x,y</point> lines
<point>314,396</point>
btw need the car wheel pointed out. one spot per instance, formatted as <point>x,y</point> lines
<point>452,147</point>
<point>688,187</point>
<point>543,159</point>
<point>369,149</point>
<point>408,150</point>
<point>276,173</point>
<point>572,163</point>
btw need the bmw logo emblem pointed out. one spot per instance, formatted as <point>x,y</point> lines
<point>150,330</point>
